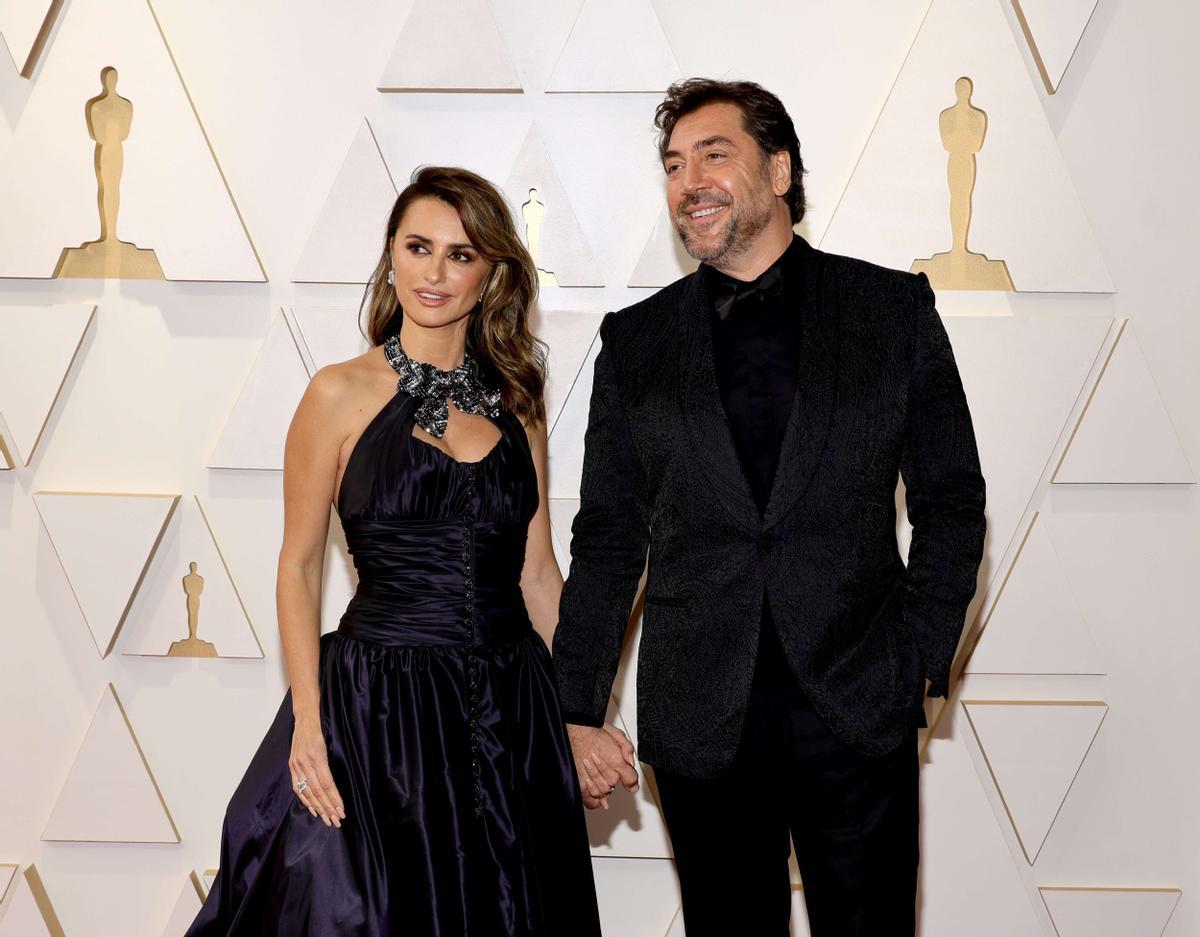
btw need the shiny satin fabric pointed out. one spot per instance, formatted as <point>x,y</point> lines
<point>442,724</point>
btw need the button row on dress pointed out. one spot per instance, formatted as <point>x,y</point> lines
<point>472,659</point>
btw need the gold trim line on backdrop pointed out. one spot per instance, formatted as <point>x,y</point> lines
<point>42,899</point>
<point>1033,48</point>
<point>229,573</point>
<point>1112,349</point>
<point>27,69</point>
<point>963,128</point>
<point>204,133</point>
<point>1043,889</point>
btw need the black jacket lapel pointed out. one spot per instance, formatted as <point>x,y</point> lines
<point>714,460</point>
<point>808,425</point>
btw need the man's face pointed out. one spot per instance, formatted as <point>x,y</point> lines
<point>719,187</point>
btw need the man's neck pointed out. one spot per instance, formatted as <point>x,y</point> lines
<point>767,248</point>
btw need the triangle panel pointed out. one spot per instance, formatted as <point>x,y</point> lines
<point>663,260</point>
<point>257,426</point>
<point>348,236</point>
<point>173,198</point>
<point>969,884</point>
<point>27,910</point>
<point>452,45</point>
<point>110,795</point>
<point>586,62</point>
<point>1023,209</point>
<point>1026,372</point>
<point>38,345</point>
<point>24,26</point>
<point>1053,29</point>
<point>1034,751</point>
<point>189,585</point>
<point>105,543</point>
<point>569,337</point>
<point>1110,912</point>
<point>566,437</point>
<point>546,219</point>
<point>187,906</point>
<point>1125,435</point>
<point>330,333</point>
<point>1035,625</point>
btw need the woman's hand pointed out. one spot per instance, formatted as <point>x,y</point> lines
<point>309,762</point>
<point>604,758</point>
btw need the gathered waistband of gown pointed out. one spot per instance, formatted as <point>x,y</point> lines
<point>416,579</point>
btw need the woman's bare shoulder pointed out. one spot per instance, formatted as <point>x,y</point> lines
<point>337,390</point>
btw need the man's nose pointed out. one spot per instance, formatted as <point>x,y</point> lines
<point>693,177</point>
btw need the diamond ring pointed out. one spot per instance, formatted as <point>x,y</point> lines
<point>301,786</point>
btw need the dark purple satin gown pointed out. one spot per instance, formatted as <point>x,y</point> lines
<point>439,710</point>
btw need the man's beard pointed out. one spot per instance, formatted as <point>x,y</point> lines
<point>746,222</point>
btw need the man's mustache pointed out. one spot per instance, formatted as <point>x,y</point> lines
<point>695,202</point>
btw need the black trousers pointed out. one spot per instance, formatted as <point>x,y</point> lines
<point>852,818</point>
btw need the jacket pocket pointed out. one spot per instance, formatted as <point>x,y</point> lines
<point>667,601</point>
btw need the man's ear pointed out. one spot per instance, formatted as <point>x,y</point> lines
<point>780,167</point>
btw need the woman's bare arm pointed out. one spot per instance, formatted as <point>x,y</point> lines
<point>310,465</point>
<point>541,580</point>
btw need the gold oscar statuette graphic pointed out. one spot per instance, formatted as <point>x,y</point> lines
<point>109,117</point>
<point>534,212</point>
<point>192,646</point>
<point>963,128</point>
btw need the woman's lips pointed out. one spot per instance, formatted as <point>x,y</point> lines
<point>431,297</point>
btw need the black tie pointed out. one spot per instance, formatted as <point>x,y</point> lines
<point>731,293</point>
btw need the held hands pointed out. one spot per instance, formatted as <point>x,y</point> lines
<point>311,780</point>
<point>604,757</point>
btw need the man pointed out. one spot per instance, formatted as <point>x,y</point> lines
<point>748,425</point>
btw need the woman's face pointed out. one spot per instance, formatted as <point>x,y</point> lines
<point>439,273</point>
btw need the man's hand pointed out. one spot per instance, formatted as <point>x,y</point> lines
<point>604,758</point>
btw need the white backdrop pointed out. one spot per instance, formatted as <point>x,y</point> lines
<point>1058,782</point>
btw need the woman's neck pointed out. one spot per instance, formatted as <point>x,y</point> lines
<point>443,347</point>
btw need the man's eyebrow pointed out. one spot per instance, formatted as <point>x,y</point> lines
<point>715,140</point>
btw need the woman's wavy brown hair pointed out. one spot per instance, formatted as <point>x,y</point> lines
<point>510,357</point>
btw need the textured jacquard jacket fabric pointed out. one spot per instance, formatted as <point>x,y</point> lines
<point>878,396</point>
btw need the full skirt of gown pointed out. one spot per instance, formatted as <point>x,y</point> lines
<point>442,724</point>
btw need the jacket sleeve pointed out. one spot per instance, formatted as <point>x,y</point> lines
<point>608,551</point>
<point>944,493</point>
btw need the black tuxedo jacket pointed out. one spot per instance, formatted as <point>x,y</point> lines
<point>879,396</point>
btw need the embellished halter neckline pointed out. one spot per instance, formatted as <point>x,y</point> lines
<point>433,387</point>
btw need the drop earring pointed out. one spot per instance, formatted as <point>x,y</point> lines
<point>392,277</point>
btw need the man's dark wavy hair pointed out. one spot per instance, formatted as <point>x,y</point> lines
<point>763,117</point>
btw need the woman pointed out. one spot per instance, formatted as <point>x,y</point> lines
<point>417,779</point>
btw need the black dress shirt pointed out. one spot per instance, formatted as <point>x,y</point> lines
<point>756,352</point>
